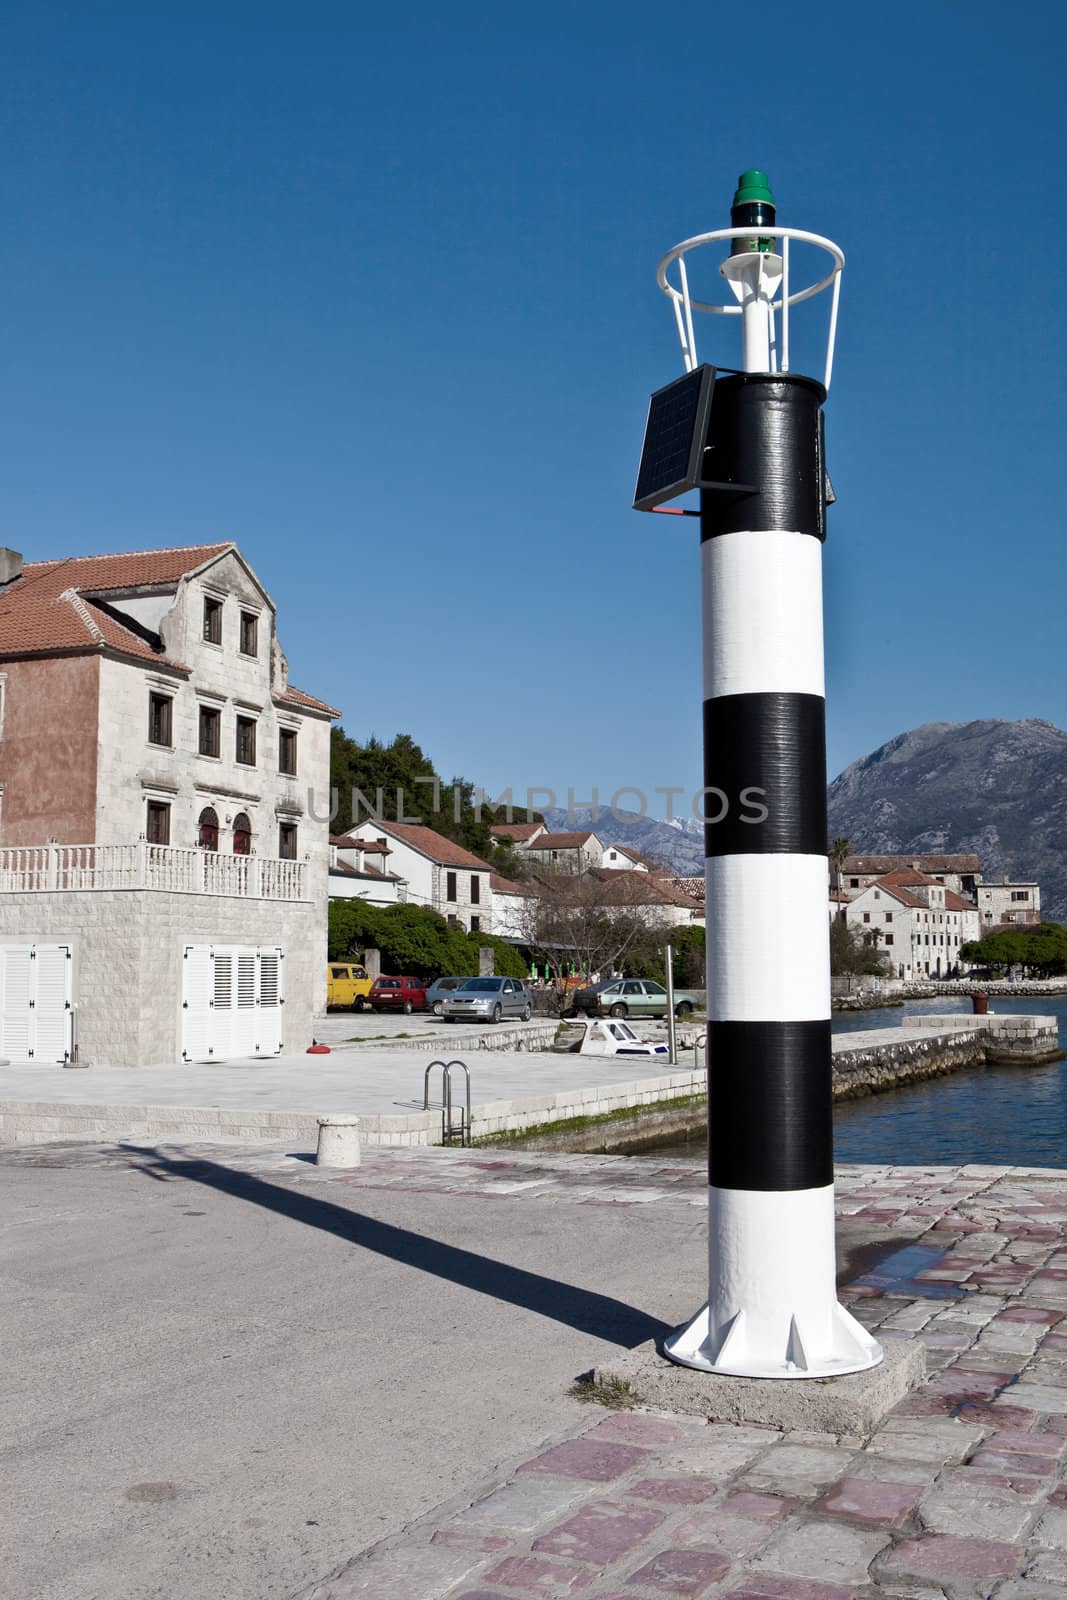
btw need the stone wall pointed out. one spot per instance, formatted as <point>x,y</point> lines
<point>127,959</point>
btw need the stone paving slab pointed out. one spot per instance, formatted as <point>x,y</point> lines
<point>960,1493</point>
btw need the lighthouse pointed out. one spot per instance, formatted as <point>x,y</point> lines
<point>749,438</point>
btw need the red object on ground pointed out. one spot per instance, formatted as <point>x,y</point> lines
<point>980,1002</point>
<point>318,1050</point>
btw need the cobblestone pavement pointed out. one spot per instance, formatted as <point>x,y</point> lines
<point>960,1494</point>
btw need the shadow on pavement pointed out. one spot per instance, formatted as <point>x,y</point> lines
<point>583,1309</point>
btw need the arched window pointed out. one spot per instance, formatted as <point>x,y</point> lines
<point>242,834</point>
<point>208,829</point>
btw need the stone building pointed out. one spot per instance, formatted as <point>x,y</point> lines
<point>1008,905</point>
<point>163,867</point>
<point>961,873</point>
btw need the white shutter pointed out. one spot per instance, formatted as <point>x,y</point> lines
<point>198,984</point>
<point>51,1010</point>
<point>243,1029</point>
<point>271,999</point>
<point>222,1003</point>
<point>16,986</point>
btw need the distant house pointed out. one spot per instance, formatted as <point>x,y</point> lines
<point>520,834</point>
<point>960,873</point>
<point>654,895</point>
<point>573,851</point>
<point>438,872</point>
<point>921,925</point>
<point>621,858</point>
<point>359,870</point>
<point>1008,905</point>
<point>512,904</point>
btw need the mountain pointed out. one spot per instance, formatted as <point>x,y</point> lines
<point>997,788</point>
<point>678,844</point>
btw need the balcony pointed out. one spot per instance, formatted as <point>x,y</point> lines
<point>33,869</point>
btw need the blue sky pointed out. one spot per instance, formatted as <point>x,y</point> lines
<point>376,299</point>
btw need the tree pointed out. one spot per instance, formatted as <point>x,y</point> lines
<point>840,850</point>
<point>853,953</point>
<point>415,940</point>
<point>400,777</point>
<point>575,923</point>
<point>1041,950</point>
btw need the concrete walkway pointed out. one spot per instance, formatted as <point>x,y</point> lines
<point>237,1373</point>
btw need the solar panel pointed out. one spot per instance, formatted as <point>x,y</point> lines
<point>675,434</point>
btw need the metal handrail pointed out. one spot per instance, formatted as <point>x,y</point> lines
<point>448,1129</point>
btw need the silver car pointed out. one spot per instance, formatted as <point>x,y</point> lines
<point>488,1000</point>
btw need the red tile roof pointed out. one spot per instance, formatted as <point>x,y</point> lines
<point>501,885</point>
<point>907,878</point>
<point>304,702</point>
<point>430,843</point>
<point>49,608</point>
<point>956,902</point>
<point>696,887</point>
<point>515,830</point>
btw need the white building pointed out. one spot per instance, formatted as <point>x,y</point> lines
<point>437,872</point>
<point>512,908</point>
<point>620,858</point>
<point>162,856</point>
<point>359,870</point>
<point>1008,904</point>
<point>921,926</point>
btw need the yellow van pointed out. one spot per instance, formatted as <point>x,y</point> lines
<point>347,984</point>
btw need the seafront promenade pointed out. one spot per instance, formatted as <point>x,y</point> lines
<point>378,1370</point>
<point>382,1082</point>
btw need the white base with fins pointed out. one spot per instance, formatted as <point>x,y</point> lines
<point>772,1308</point>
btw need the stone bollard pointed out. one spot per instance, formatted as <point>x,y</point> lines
<point>338,1142</point>
<point>980,1002</point>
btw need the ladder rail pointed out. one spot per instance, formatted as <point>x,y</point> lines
<point>449,1128</point>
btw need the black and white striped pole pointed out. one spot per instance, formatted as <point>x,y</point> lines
<point>756,455</point>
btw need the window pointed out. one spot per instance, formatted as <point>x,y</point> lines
<point>159,719</point>
<point>212,621</point>
<point>888,939</point>
<point>210,731</point>
<point>287,838</point>
<point>853,883</point>
<point>889,916</point>
<point>287,751</point>
<point>476,924</point>
<point>246,741</point>
<point>476,890</point>
<point>157,822</point>
<point>1020,894</point>
<point>249,633</point>
<point>207,836</point>
<point>450,886</point>
<point>866,916</point>
<point>242,834</point>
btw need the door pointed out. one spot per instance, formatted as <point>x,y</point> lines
<point>655,1002</point>
<point>36,1006</point>
<point>232,999</point>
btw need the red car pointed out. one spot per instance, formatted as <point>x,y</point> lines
<point>398,994</point>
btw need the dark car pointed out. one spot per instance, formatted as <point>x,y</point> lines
<point>633,997</point>
<point>398,994</point>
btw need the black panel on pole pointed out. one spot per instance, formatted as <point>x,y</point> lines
<point>765,430</point>
<point>675,430</point>
<point>769,1105</point>
<point>765,763</point>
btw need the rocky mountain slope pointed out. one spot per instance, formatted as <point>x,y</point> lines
<point>998,788</point>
